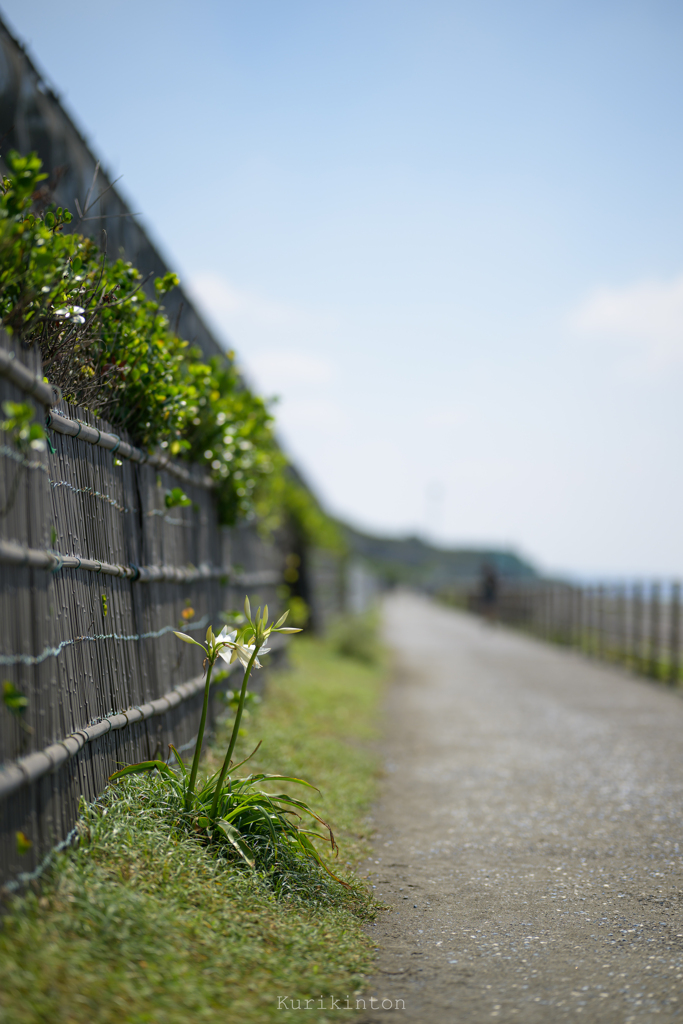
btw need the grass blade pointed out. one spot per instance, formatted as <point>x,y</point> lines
<point>264,777</point>
<point>143,766</point>
<point>179,760</point>
<point>234,837</point>
<point>310,849</point>
<point>239,764</point>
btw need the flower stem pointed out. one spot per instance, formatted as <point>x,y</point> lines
<point>189,792</point>
<point>235,730</point>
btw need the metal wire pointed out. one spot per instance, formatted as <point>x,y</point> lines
<point>53,652</point>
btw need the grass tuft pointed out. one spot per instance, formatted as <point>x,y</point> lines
<point>355,636</point>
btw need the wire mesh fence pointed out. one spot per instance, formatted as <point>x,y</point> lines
<point>637,625</point>
<point>96,570</point>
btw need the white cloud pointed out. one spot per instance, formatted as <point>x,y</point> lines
<point>253,321</point>
<point>645,320</point>
<point>278,345</point>
<point>227,304</point>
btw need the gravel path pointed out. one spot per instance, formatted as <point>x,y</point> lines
<point>529,832</point>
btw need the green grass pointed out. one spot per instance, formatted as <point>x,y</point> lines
<point>138,924</point>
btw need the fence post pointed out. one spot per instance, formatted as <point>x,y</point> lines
<point>674,633</point>
<point>601,622</point>
<point>637,626</point>
<point>552,612</point>
<point>653,667</point>
<point>543,611</point>
<point>622,641</point>
<point>571,618</point>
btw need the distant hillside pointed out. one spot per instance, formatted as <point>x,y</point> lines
<point>413,562</point>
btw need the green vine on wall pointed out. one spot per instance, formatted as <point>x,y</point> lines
<point>111,348</point>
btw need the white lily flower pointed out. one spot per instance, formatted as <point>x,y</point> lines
<point>244,653</point>
<point>224,637</point>
<point>232,650</point>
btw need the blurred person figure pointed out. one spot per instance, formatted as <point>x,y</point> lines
<point>488,592</point>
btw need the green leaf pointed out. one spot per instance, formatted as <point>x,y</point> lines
<point>234,837</point>
<point>180,761</point>
<point>14,700</point>
<point>301,804</point>
<point>177,498</point>
<point>264,816</point>
<point>143,766</point>
<point>240,763</point>
<point>310,849</point>
<point>24,844</point>
<point>189,640</point>
<point>262,776</point>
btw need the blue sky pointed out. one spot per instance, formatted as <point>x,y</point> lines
<point>448,235</point>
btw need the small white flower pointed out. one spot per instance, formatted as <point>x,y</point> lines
<point>232,650</point>
<point>63,314</point>
<point>77,319</point>
<point>225,637</point>
<point>77,309</point>
<point>244,654</point>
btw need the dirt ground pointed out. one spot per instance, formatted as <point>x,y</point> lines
<point>528,834</point>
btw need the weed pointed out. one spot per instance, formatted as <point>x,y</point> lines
<point>355,636</point>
